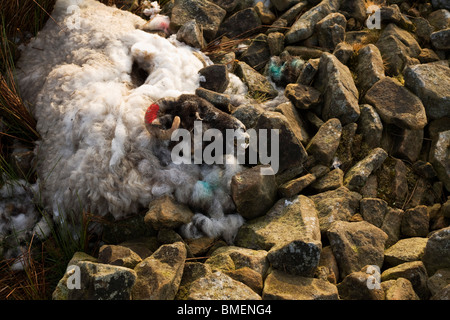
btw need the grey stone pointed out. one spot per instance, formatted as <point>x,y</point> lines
<point>219,286</point>
<point>118,256</point>
<point>282,286</point>
<point>340,95</point>
<point>414,271</point>
<point>370,126</point>
<point>240,24</point>
<point>245,258</point>
<point>398,47</point>
<point>356,244</point>
<point>292,154</point>
<point>102,282</point>
<point>441,39</point>
<point>437,251</point>
<point>207,15</point>
<point>165,212</point>
<point>159,276</point>
<point>220,100</point>
<point>215,77</point>
<point>392,225</point>
<point>283,5</point>
<point>257,53</point>
<point>302,96</point>
<point>373,210</point>
<point>325,142</point>
<point>415,222</point>
<point>431,83</point>
<point>397,105</point>
<point>357,176</point>
<point>253,193</point>
<point>440,157</point>
<point>344,52</point>
<point>358,286</point>
<point>330,181</point>
<point>408,144</point>
<point>290,232</point>
<point>191,34</point>
<point>400,289</point>
<point>335,205</point>
<point>369,68</point>
<point>275,41</point>
<point>303,28</point>
<point>248,114</point>
<point>257,84</point>
<point>294,187</point>
<point>296,122</point>
<point>331,30</point>
<point>440,19</point>
<point>438,281</point>
<point>405,250</point>
<point>440,4</point>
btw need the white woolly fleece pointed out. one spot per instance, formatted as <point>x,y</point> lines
<point>95,153</point>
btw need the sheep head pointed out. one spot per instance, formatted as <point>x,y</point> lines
<point>168,114</point>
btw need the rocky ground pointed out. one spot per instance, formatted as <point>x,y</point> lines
<point>359,208</point>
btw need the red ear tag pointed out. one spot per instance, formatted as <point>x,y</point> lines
<point>151,113</point>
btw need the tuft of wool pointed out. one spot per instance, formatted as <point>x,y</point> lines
<point>95,153</point>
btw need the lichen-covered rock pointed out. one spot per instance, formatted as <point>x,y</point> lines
<point>396,105</point>
<point>207,15</point>
<point>253,193</point>
<point>356,244</point>
<point>440,157</point>
<point>392,225</point>
<point>360,285</point>
<point>398,47</point>
<point>438,281</point>
<point>441,39</point>
<point>369,68</point>
<point>405,250</point>
<point>414,271</point>
<point>373,210</point>
<point>258,53</point>
<point>290,232</point>
<point>340,94</point>
<point>240,23</point>
<point>335,205</point>
<point>437,251</point>
<point>294,187</point>
<point>331,30</point>
<point>431,83</point>
<point>291,152</point>
<point>219,286</point>
<point>400,289</point>
<point>296,122</point>
<point>257,84</point>
<point>302,96</point>
<point>215,77</point>
<point>118,256</point>
<point>282,286</point>
<point>166,213</point>
<point>415,222</point>
<point>102,282</point>
<point>159,275</point>
<point>325,142</point>
<point>303,28</point>
<point>357,176</point>
<point>330,181</point>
